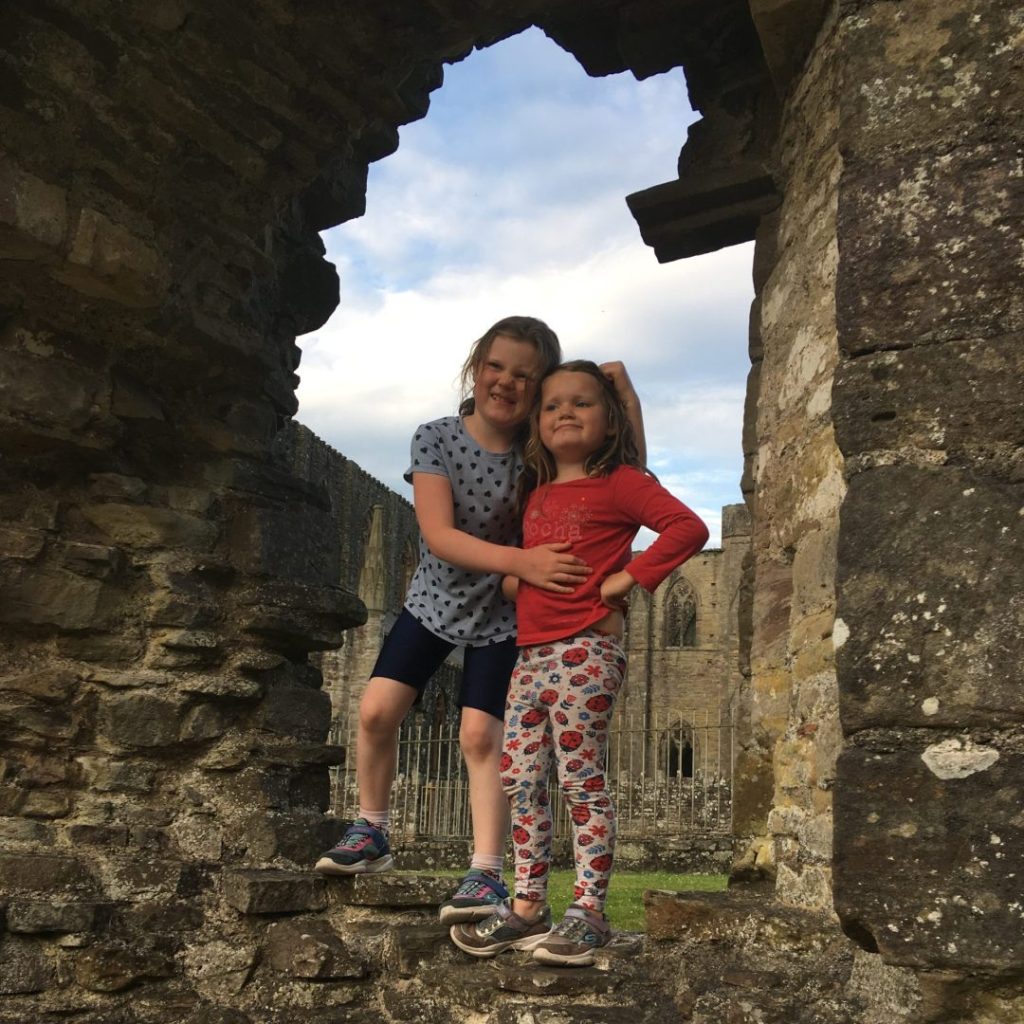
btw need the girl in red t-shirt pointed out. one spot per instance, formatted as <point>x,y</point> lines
<point>583,484</point>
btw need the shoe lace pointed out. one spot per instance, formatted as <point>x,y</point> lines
<point>573,928</point>
<point>490,925</point>
<point>353,840</point>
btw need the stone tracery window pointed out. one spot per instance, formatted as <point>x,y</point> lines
<point>681,616</point>
<point>677,754</point>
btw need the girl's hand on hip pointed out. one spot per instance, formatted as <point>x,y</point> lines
<point>551,567</point>
<point>615,590</point>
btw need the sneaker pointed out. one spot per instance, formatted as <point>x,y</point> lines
<point>476,898</point>
<point>575,939</point>
<point>503,930</point>
<point>363,849</point>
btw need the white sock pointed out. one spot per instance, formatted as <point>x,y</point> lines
<point>491,863</point>
<point>379,819</point>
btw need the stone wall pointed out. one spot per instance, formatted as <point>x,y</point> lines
<point>929,418</point>
<point>795,485</point>
<point>166,580</point>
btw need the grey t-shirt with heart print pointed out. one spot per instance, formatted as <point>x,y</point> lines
<point>463,607</point>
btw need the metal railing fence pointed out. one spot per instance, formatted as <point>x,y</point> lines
<point>670,774</point>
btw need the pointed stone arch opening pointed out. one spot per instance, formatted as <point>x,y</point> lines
<point>166,169</point>
<point>681,615</point>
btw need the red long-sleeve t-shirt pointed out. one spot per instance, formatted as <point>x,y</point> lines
<point>599,517</point>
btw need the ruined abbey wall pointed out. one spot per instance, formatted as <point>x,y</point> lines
<point>695,676</point>
<point>167,581</point>
<point>794,474</point>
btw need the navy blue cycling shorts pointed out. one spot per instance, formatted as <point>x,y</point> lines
<point>412,654</point>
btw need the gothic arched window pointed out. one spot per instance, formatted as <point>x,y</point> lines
<point>678,754</point>
<point>681,616</point>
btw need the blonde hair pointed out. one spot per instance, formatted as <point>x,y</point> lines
<point>619,448</point>
<point>519,328</point>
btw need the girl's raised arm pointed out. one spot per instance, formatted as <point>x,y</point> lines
<point>616,373</point>
<point>548,566</point>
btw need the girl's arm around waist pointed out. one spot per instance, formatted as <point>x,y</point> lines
<point>549,566</point>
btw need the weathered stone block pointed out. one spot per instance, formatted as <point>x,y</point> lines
<point>98,835</point>
<point>98,560</point>
<point>120,776</point>
<point>391,890</point>
<point>301,617</point>
<point>752,794</point>
<point>898,286</point>
<point>273,892</point>
<point>140,720</point>
<point>51,393</point>
<point>309,948</point>
<point>46,803</point>
<point>148,526</point>
<point>49,597</point>
<point>54,685</point>
<point>917,84</point>
<point>536,980</point>
<point>32,917</point>
<point>955,401</point>
<point>198,837</point>
<point>419,947</point>
<point>220,685</point>
<point>205,722</point>
<point>148,876</point>
<point>295,711</point>
<point>17,831</point>
<point>33,212</point>
<point>107,261</point>
<point>21,544</point>
<point>928,847</point>
<point>220,969</point>
<point>114,966</point>
<point>931,571</point>
<point>22,873</point>
<point>771,611</point>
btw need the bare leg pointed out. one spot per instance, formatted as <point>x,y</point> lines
<point>480,737</point>
<point>384,705</point>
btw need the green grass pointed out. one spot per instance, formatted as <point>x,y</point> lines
<point>625,907</point>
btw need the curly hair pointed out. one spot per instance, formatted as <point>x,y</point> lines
<point>618,448</point>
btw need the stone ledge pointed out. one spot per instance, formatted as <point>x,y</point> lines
<point>273,892</point>
<point>390,890</point>
<point>712,917</point>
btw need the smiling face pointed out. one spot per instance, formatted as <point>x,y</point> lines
<point>573,420</point>
<point>504,383</point>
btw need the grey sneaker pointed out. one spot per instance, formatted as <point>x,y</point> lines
<point>574,940</point>
<point>476,898</point>
<point>502,930</point>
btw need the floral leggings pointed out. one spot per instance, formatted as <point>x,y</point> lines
<point>559,705</point>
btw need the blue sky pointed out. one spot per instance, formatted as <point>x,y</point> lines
<point>509,198</point>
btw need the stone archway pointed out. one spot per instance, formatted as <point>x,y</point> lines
<point>165,170</point>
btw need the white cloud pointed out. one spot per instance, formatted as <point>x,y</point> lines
<point>509,198</point>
